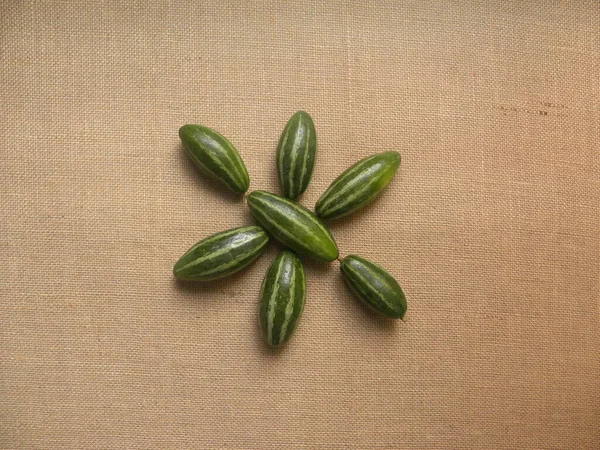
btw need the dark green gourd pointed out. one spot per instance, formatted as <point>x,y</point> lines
<point>374,286</point>
<point>357,186</point>
<point>221,254</point>
<point>282,298</point>
<point>215,156</point>
<point>296,154</point>
<point>293,225</point>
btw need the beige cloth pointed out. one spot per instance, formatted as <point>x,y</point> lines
<point>491,226</point>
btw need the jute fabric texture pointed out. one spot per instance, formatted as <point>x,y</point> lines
<point>491,225</point>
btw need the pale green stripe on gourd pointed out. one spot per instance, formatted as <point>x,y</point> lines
<point>272,300</point>
<point>358,185</point>
<point>221,254</point>
<point>293,156</point>
<point>215,155</point>
<point>293,225</point>
<point>291,318</point>
<point>282,297</point>
<point>374,286</point>
<point>306,172</point>
<point>296,152</point>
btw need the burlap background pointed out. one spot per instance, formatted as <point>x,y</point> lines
<point>491,225</point>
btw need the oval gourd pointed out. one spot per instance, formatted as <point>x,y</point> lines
<point>215,155</point>
<point>374,286</point>
<point>293,225</point>
<point>221,254</point>
<point>296,153</point>
<point>282,298</point>
<point>357,186</point>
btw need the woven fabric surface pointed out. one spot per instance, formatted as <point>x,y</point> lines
<point>491,225</point>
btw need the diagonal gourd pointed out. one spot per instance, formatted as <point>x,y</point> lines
<point>374,286</point>
<point>215,156</point>
<point>357,186</point>
<point>282,298</point>
<point>296,153</point>
<point>293,225</point>
<point>221,254</point>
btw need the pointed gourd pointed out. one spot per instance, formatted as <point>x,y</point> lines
<point>215,156</point>
<point>374,286</point>
<point>282,298</point>
<point>357,186</point>
<point>293,225</point>
<point>221,254</point>
<point>296,154</point>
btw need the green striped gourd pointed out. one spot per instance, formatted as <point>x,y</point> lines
<point>221,254</point>
<point>296,155</point>
<point>281,298</point>
<point>357,186</point>
<point>215,155</point>
<point>374,286</point>
<point>293,225</point>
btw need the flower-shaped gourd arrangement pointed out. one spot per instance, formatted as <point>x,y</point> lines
<point>301,231</point>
